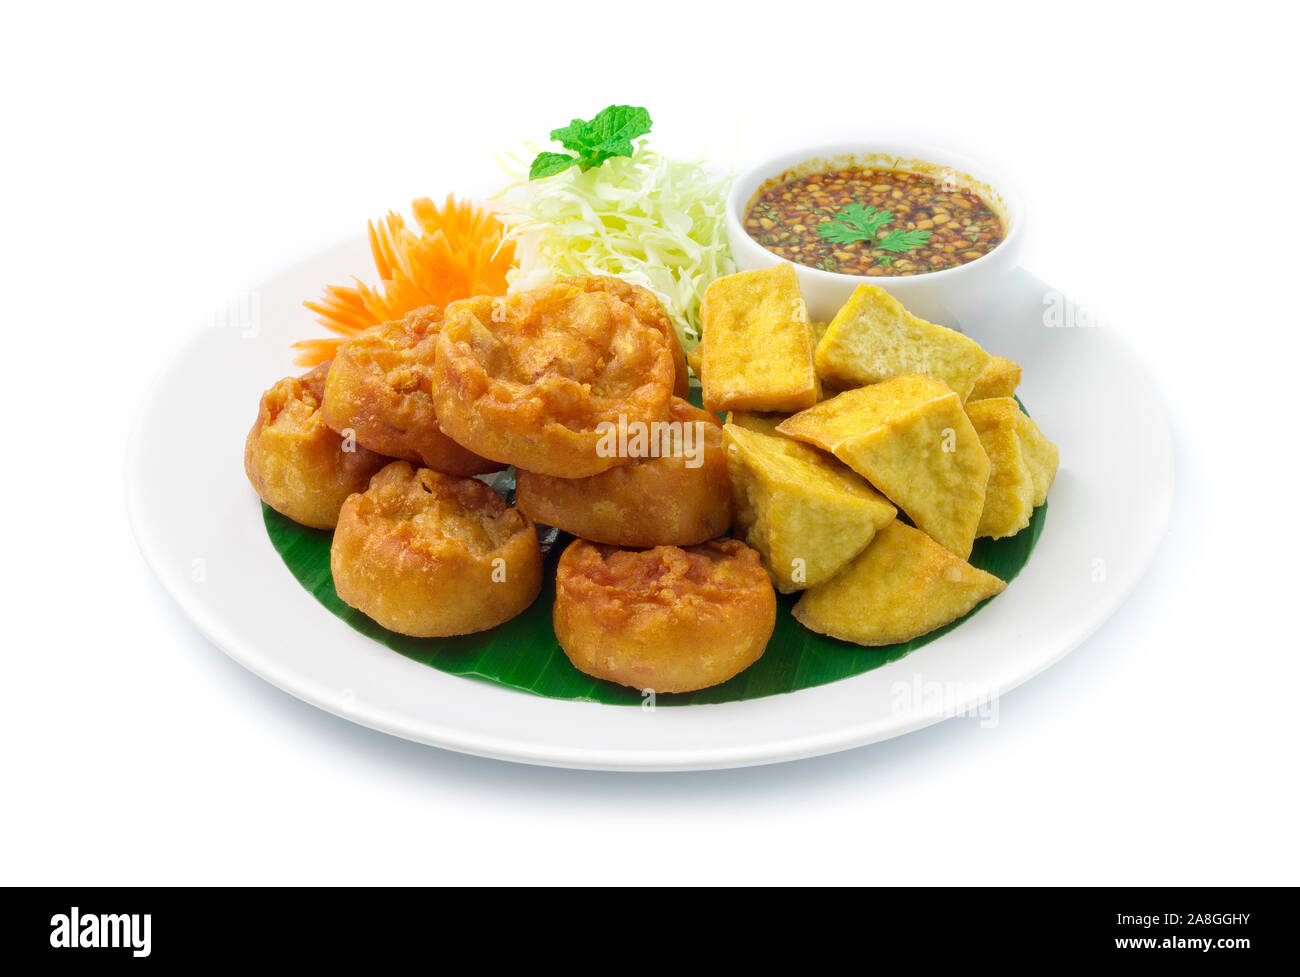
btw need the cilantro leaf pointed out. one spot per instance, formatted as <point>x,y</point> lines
<point>548,164</point>
<point>608,134</point>
<point>838,233</point>
<point>855,223</point>
<point>900,242</point>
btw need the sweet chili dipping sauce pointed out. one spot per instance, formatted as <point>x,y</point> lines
<point>873,222</point>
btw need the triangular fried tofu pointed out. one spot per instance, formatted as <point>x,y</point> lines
<point>900,587</point>
<point>1009,499</point>
<point>999,379</point>
<point>910,438</point>
<point>1041,456</point>
<point>1023,464</point>
<point>804,512</point>
<point>874,338</point>
<point>754,421</point>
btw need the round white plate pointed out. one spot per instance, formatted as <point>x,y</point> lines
<point>199,526</point>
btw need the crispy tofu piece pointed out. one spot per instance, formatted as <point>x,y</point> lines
<point>910,438</point>
<point>900,587</point>
<point>1009,499</point>
<point>755,421</point>
<point>1022,465</point>
<point>695,359</point>
<point>873,338</point>
<point>999,379</point>
<point>757,343</point>
<point>803,511</point>
<point>1042,457</point>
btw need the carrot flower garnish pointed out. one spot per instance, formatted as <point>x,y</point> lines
<point>450,254</point>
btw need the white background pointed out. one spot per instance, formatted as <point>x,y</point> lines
<point>158,161</point>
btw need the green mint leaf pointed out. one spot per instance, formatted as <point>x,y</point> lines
<point>607,135</point>
<point>900,242</point>
<point>594,158</point>
<point>548,164</point>
<point>572,137</point>
<point>618,125</point>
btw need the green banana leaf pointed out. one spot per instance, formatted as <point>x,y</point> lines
<point>524,654</point>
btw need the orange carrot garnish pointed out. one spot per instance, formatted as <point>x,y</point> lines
<point>453,253</point>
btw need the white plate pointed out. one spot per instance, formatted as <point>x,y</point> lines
<point>200,528</point>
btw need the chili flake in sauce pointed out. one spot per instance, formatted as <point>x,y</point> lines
<point>786,218</point>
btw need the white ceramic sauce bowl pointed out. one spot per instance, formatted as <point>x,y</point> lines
<point>949,297</point>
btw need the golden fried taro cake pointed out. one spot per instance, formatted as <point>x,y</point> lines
<point>536,378</point>
<point>676,496</point>
<point>651,313</point>
<point>379,390</point>
<point>429,555</point>
<point>666,619</point>
<point>300,467</point>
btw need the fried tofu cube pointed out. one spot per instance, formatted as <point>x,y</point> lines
<point>695,360</point>
<point>873,338</point>
<point>909,437</point>
<point>1042,457</point>
<point>999,379</point>
<point>1022,465</point>
<point>903,585</point>
<point>803,511</point>
<point>756,421</point>
<point>1009,499</point>
<point>757,343</point>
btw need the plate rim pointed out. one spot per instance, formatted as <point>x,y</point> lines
<point>224,635</point>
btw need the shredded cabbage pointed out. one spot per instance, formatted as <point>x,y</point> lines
<point>652,220</point>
